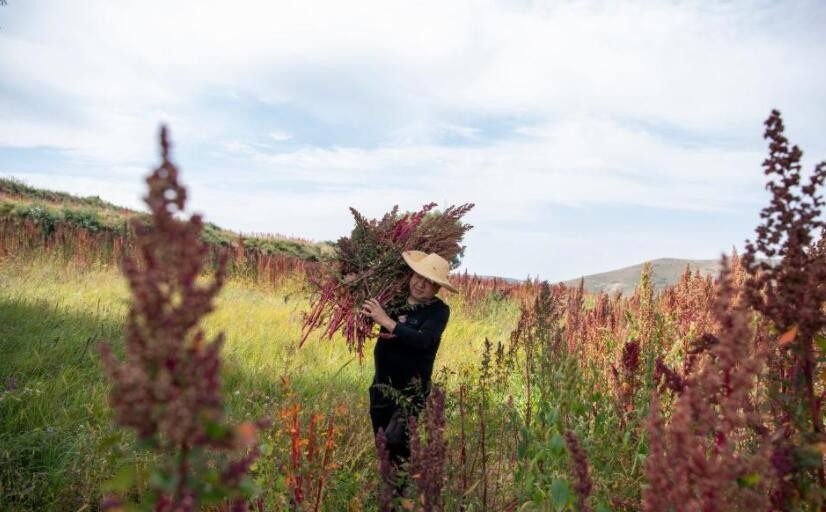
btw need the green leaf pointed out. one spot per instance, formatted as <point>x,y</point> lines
<point>522,445</point>
<point>248,487</point>
<point>265,449</point>
<point>212,476</point>
<point>809,456</point>
<point>148,443</point>
<point>603,507</point>
<point>122,480</point>
<point>281,483</point>
<point>820,341</point>
<point>560,493</point>
<point>557,445</point>
<point>110,441</point>
<point>214,495</point>
<point>749,480</point>
<point>529,481</point>
<point>164,481</point>
<point>626,438</point>
<point>216,431</point>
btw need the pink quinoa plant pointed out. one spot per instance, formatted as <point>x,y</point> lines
<point>627,378</point>
<point>668,378</point>
<point>574,317</point>
<point>369,264</point>
<point>387,473</point>
<point>582,473</point>
<point>786,282</point>
<point>712,454</point>
<point>687,304</point>
<point>168,388</point>
<point>428,453</point>
<point>601,321</point>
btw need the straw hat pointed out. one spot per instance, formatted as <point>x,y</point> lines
<point>432,266</point>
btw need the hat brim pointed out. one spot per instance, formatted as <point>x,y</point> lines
<point>413,259</point>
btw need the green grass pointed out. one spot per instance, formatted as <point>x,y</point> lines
<point>17,188</point>
<point>56,430</point>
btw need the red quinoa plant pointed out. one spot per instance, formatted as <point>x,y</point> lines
<point>428,453</point>
<point>369,264</point>
<point>786,282</point>
<point>307,465</point>
<point>387,473</point>
<point>687,304</point>
<point>712,454</point>
<point>626,379</point>
<point>573,316</point>
<point>168,388</point>
<point>581,472</point>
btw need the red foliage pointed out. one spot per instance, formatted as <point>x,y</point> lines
<point>168,387</point>
<point>703,459</point>
<point>369,264</point>
<point>786,282</point>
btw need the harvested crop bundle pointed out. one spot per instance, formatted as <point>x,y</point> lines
<point>369,264</point>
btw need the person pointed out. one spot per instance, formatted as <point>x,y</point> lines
<point>404,355</point>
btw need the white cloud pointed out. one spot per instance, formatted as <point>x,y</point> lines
<point>576,162</point>
<point>519,107</point>
<point>279,136</point>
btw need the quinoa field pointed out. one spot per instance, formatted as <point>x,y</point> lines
<point>705,396</point>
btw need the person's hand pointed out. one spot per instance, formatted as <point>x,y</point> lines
<point>373,309</point>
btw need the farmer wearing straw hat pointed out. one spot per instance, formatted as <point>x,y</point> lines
<point>404,356</point>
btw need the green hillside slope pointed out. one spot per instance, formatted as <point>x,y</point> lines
<point>48,209</point>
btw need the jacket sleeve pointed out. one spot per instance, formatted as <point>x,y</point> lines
<point>429,332</point>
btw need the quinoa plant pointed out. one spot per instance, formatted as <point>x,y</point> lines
<point>168,388</point>
<point>369,264</point>
<point>626,379</point>
<point>297,462</point>
<point>387,473</point>
<point>428,451</point>
<point>581,471</point>
<point>786,283</point>
<point>712,454</point>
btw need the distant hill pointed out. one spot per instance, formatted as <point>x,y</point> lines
<point>664,272</point>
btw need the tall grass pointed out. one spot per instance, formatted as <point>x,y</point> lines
<point>53,413</point>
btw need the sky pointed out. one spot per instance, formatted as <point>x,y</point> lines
<point>590,135</point>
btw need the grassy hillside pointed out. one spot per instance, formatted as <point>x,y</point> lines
<point>48,209</point>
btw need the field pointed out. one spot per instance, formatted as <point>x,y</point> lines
<point>706,395</point>
<point>54,409</point>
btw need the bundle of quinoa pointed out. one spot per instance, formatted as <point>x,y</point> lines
<point>368,264</point>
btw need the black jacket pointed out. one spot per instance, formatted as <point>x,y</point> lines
<point>410,353</point>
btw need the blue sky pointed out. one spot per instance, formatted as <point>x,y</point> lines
<point>590,135</point>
